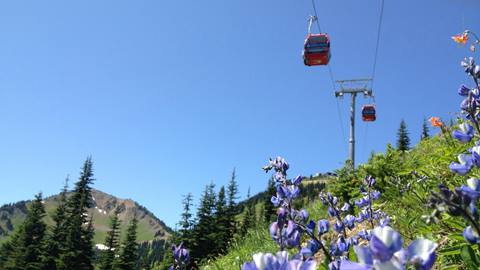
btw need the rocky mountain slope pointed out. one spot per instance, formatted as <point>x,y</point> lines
<point>149,227</point>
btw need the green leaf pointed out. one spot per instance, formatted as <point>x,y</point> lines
<point>352,256</point>
<point>451,267</point>
<point>450,251</point>
<point>324,265</point>
<point>469,257</point>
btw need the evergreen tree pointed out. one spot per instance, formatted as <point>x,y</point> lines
<point>107,258</point>
<point>403,141</point>
<point>269,209</point>
<point>221,223</point>
<point>232,190</point>
<point>204,231</point>
<point>129,256</point>
<point>7,250</point>
<point>56,241</point>
<point>232,210</point>
<point>87,243</point>
<point>26,248</point>
<point>425,130</point>
<point>261,216</point>
<point>78,252</point>
<point>186,222</point>
<point>249,216</point>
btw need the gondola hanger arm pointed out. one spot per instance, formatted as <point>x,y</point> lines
<point>311,20</point>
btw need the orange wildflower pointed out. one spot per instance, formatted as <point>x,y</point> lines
<point>461,39</point>
<point>436,122</point>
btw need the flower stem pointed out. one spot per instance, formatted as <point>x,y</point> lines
<point>314,238</point>
<point>370,209</point>
<point>339,219</point>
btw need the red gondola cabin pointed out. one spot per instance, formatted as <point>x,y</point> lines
<point>368,113</point>
<point>316,50</point>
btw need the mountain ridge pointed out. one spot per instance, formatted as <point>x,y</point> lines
<point>150,227</point>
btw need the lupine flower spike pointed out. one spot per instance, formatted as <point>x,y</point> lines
<point>181,257</point>
<point>291,224</point>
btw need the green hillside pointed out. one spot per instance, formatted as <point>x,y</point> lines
<point>256,240</point>
<point>406,180</point>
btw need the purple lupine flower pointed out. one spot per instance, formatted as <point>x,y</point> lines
<point>462,197</point>
<point>288,192</point>
<point>475,93</point>
<point>345,207</point>
<point>304,215</point>
<point>349,221</point>
<point>464,166</point>
<point>293,239</point>
<point>385,252</point>
<point>180,254</point>
<point>359,219</point>
<point>471,235</point>
<point>463,90</point>
<point>334,251</point>
<point>289,236</point>
<point>364,234</point>
<point>334,200</point>
<point>310,226</point>
<point>421,253</point>
<point>465,134</point>
<point>338,226</point>
<point>297,180</point>
<point>278,164</point>
<point>353,241</point>
<point>467,106</point>
<point>294,192</point>
<point>345,264</point>
<point>278,176</point>
<point>470,68</point>
<point>310,249</point>
<point>385,242</point>
<point>375,195</point>
<point>384,221</point>
<point>282,192</point>
<point>473,209</point>
<point>332,212</point>
<point>339,247</point>
<point>472,189</point>
<point>281,213</point>
<point>475,155</point>
<point>342,244</point>
<point>361,202</point>
<point>323,200</point>
<point>363,215</point>
<point>276,201</point>
<point>369,181</point>
<point>267,261</point>
<point>274,229</point>
<point>323,226</point>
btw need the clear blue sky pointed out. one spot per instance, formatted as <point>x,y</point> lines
<point>169,95</point>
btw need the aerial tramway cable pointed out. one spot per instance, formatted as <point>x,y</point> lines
<point>339,112</point>
<point>379,29</point>
<point>378,41</point>
<point>373,68</point>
